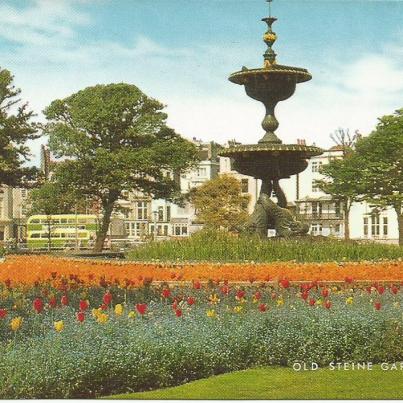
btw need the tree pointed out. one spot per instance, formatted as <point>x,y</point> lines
<point>49,199</point>
<point>113,138</point>
<point>341,183</point>
<point>219,203</point>
<point>15,129</point>
<point>343,138</point>
<point>381,155</point>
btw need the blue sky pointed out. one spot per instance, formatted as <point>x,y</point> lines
<point>182,52</point>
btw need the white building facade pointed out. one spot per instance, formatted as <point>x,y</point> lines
<point>325,215</point>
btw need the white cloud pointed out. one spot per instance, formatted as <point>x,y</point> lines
<point>50,63</point>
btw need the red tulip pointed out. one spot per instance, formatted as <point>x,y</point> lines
<point>191,301</point>
<point>312,302</point>
<point>104,307</point>
<point>258,295</point>
<point>166,292</point>
<point>262,307</point>
<point>52,302</point>
<point>305,295</point>
<point>225,289</point>
<point>284,283</point>
<point>3,313</point>
<point>240,294</point>
<point>65,300</point>
<point>196,285</point>
<point>141,308</point>
<point>381,290</point>
<point>83,305</point>
<point>328,304</point>
<point>394,289</point>
<point>107,298</point>
<point>178,313</point>
<point>348,280</point>
<point>369,289</point>
<point>80,316</point>
<point>38,305</point>
<point>325,293</point>
<point>377,305</point>
<point>174,304</point>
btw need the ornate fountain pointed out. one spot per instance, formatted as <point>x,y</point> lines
<point>269,160</point>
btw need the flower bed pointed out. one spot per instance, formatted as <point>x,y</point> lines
<point>66,337</point>
<point>29,269</point>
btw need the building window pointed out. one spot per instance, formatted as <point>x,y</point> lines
<point>315,186</point>
<point>337,209</point>
<point>385,226</point>
<point>202,172</point>
<point>365,226</point>
<point>24,193</point>
<point>160,213</point>
<point>162,229</point>
<point>168,213</point>
<point>316,229</point>
<point>316,166</point>
<point>337,228</point>
<point>316,209</point>
<point>142,211</point>
<point>375,224</point>
<point>244,185</point>
<point>180,230</point>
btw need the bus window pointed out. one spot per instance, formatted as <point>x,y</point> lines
<point>82,220</point>
<point>63,221</point>
<point>35,235</point>
<point>35,221</point>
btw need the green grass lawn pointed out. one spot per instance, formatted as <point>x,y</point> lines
<point>285,383</point>
<point>216,246</point>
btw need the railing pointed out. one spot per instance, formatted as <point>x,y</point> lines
<point>320,216</point>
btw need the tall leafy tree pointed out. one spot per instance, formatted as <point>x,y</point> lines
<point>113,138</point>
<point>16,128</point>
<point>220,203</point>
<point>340,181</point>
<point>381,155</point>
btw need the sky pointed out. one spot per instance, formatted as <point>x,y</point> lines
<point>181,52</point>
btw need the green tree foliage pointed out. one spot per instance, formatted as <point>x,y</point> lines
<point>219,203</point>
<point>50,198</point>
<point>381,156</point>
<point>15,129</point>
<point>113,138</point>
<point>340,181</point>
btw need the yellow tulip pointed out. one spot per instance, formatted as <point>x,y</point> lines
<point>214,299</point>
<point>349,300</point>
<point>16,323</point>
<point>280,302</point>
<point>131,315</point>
<point>211,313</point>
<point>59,326</point>
<point>238,309</point>
<point>102,318</point>
<point>118,309</point>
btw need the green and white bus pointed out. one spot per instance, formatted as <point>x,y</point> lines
<point>66,231</point>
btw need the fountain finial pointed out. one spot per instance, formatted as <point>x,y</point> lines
<point>269,38</point>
